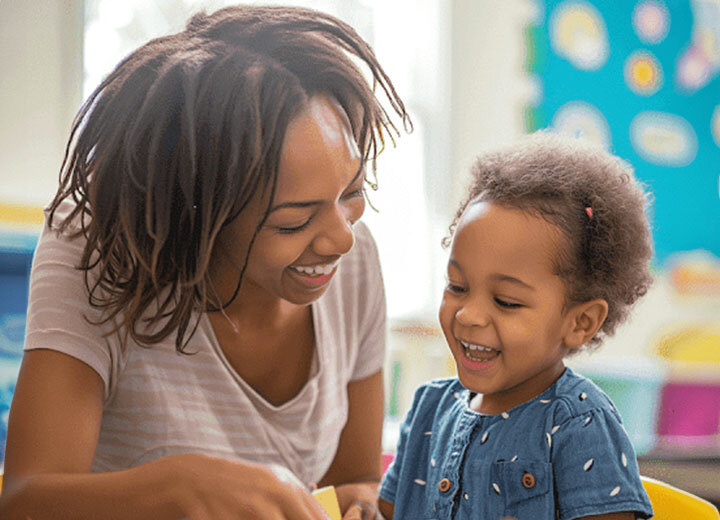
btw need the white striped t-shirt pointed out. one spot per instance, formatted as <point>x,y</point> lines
<point>160,403</point>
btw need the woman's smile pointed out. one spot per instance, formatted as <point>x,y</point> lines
<point>314,277</point>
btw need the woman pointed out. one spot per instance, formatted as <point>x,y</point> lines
<point>206,319</point>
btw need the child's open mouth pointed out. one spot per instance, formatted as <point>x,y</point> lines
<point>479,353</point>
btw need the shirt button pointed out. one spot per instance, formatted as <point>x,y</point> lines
<point>444,485</point>
<point>528,480</point>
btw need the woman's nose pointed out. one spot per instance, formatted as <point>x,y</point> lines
<point>473,314</point>
<point>338,237</point>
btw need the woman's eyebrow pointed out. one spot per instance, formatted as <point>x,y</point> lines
<point>310,203</point>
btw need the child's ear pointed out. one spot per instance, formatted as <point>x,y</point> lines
<point>584,320</point>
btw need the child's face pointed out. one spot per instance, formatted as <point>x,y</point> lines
<point>319,195</point>
<point>503,311</point>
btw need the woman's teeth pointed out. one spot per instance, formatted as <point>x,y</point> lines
<point>316,270</point>
<point>478,352</point>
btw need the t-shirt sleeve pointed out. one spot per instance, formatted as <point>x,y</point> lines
<point>59,316</point>
<point>595,468</point>
<point>372,334</point>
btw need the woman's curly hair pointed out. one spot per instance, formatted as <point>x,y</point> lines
<point>608,247</point>
<point>184,132</point>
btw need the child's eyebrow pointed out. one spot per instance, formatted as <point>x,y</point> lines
<point>507,278</point>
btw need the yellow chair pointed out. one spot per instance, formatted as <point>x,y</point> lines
<point>671,503</point>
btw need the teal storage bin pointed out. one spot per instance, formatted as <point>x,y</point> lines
<point>634,385</point>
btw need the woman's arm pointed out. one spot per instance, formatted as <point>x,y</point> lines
<point>54,425</point>
<point>356,468</point>
<point>53,430</point>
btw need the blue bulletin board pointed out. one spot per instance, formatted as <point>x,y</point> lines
<point>643,79</point>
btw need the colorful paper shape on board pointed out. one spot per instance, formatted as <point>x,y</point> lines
<point>584,121</point>
<point>577,32</point>
<point>643,73</point>
<point>663,139</point>
<point>327,498</point>
<point>651,99</point>
<point>700,62</point>
<point>651,21</point>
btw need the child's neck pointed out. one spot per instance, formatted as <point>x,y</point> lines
<point>499,402</point>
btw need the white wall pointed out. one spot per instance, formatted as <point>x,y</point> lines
<point>40,91</point>
<point>489,86</point>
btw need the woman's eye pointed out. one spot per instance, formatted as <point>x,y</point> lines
<point>355,193</point>
<point>507,304</point>
<point>294,229</point>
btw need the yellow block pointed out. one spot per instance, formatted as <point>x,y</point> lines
<point>327,499</point>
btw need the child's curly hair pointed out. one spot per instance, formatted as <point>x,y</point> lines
<point>608,247</point>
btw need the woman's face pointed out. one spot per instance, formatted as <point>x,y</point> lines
<point>319,196</point>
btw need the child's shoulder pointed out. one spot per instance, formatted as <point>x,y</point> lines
<point>438,392</point>
<point>441,388</point>
<point>575,395</point>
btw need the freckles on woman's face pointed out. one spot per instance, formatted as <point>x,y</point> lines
<point>318,196</point>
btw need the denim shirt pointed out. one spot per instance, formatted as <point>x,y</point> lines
<point>563,454</point>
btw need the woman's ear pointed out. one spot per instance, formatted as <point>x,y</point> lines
<point>585,319</point>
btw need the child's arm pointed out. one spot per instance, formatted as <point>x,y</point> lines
<point>386,508</point>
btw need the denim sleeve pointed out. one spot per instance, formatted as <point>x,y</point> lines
<point>391,479</point>
<point>595,468</point>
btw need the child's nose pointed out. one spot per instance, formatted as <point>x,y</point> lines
<point>472,314</point>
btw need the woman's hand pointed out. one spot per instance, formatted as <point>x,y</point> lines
<point>212,488</point>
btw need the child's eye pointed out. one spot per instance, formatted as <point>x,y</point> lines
<point>507,304</point>
<point>295,229</point>
<point>455,289</point>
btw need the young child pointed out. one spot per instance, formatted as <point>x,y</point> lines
<point>550,251</point>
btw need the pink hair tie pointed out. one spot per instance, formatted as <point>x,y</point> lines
<point>589,212</point>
